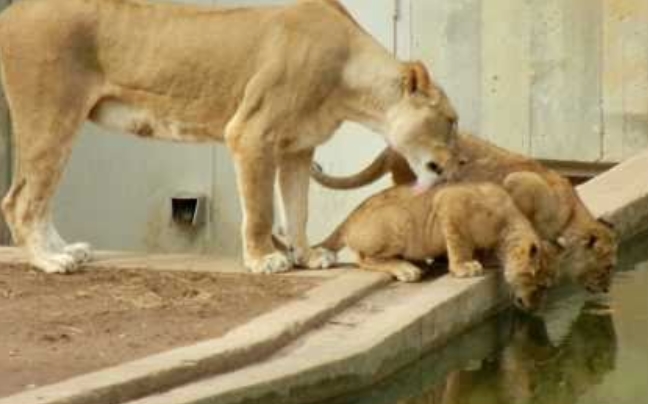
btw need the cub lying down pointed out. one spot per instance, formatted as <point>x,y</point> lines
<point>588,246</point>
<point>456,220</point>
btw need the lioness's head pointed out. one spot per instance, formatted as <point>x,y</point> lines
<point>589,254</point>
<point>423,124</point>
<point>527,272</point>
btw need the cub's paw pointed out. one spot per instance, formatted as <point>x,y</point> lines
<point>318,258</point>
<point>467,269</point>
<point>276,262</point>
<point>407,273</point>
<point>54,263</point>
<point>81,252</point>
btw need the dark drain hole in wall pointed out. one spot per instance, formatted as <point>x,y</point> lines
<point>188,210</point>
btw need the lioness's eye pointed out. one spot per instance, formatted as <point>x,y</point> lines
<point>592,241</point>
<point>434,167</point>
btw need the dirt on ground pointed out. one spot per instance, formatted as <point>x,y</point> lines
<point>56,326</point>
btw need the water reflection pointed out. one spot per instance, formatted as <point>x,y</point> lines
<point>578,351</point>
<point>530,368</point>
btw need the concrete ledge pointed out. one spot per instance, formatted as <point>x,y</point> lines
<point>620,195</point>
<point>386,331</point>
<point>246,344</point>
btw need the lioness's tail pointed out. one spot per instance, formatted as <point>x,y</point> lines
<point>375,170</point>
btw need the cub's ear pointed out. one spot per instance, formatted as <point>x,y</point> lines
<point>416,78</point>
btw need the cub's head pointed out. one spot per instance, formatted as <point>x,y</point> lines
<point>528,272</point>
<point>423,124</point>
<point>589,254</point>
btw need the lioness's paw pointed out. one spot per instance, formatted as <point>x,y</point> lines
<point>81,252</point>
<point>467,269</point>
<point>57,263</point>
<point>320,258</point>
<point>270,264</point>
<point>407,273</point>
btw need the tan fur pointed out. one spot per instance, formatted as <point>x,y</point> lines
<point>400,225</point>
<point>544,196</point>
<point>272,83</point>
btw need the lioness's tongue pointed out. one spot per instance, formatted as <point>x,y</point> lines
<point>422,185</point>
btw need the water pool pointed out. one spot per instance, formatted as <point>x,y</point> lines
<point>579,350</point>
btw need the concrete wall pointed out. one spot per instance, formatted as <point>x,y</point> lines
<point>115,193</point>
<point>625,77</point>
<point>556,79</point>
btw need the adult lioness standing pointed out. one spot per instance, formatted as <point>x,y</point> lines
<point>273,83</point>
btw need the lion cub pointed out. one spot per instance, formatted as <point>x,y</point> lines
<point>587,247</point>
<point>456,220</point>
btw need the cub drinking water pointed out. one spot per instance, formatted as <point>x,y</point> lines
<point>400,225</point>
<point>586,247</point>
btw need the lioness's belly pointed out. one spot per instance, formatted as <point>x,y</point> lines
<point>144,122</point>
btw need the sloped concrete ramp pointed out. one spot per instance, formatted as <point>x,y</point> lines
<point>620,195</point>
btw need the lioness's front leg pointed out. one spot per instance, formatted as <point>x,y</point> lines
<point>294,179</point>
<point>255,175</point>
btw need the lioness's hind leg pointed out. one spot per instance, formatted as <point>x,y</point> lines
<point>27,207</point>
<point>45,115</point>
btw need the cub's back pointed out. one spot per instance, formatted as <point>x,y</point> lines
<point>482,210</point>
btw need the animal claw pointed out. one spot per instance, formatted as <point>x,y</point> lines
<point>270,264</point>
<point>468,269</point>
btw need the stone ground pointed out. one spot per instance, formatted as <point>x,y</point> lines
<point>56,326</point>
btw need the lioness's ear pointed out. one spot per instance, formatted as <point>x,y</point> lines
<point>416,77</point>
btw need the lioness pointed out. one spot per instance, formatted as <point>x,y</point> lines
<point>587,246</point>
<point>272,83</point>
<point>456,220</point>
